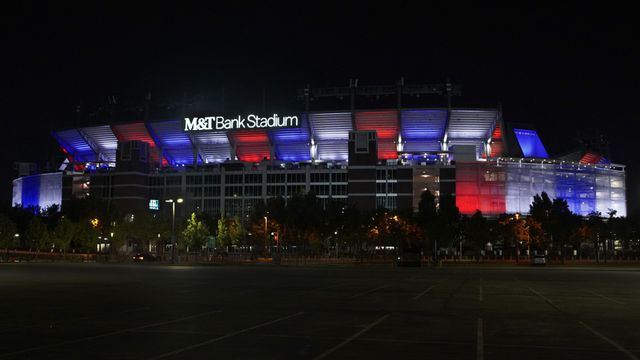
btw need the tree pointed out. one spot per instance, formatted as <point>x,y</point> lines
<point>540,207</point>
<point>597,229</point>
<point>514,232</point>
<point>86,235</point>
<point>195,233</point>
<point>426,218</point>
<point>7,232</point>
<point>236,231</point>
<point>476,230</point>
<point>37,234</point>
<point>63,234</point>
<point>448,221</point>
<point>224,238</point>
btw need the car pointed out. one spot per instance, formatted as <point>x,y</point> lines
<point>140,257</point>
<point>539,260</point>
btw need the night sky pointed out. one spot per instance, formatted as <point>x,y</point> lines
<point>565,69</point>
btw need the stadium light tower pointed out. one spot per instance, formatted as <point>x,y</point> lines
<point>173,226</point>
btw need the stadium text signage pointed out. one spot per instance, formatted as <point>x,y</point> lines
<point>252,121</point>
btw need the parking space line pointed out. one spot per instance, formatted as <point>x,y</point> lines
<point>424,292</point>
<point>592,330</point>
<point>369,291</point>
<point>607,298</point>
<point>480,341</point>
<point>611,342</point>
<point>231,334</point>
<point>351,338</point>
<point>75,341</point>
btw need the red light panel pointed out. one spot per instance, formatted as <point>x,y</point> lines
<point>384,122</point>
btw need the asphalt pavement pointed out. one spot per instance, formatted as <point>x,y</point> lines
<point>143,311</point>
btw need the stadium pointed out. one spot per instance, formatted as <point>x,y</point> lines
<point>369,158</point>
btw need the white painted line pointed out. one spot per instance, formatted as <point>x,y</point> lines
<point>194,346</point>
<point>74,341</point>
<point>480,294</point>
<point>369,291</point>
<point>542,296</point>
<point>350,339</point>
<point>480,341</point>
<point>613,343</point>
<point>424,292</point>
<point>607,298</point>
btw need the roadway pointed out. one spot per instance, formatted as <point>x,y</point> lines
<point>141,311</point>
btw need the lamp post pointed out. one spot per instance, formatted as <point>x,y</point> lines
<point>173,226</point>
<point>266,236</point>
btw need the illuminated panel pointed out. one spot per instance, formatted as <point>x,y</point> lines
<point>38,191</point>
<point>293,152</point>
<point>174,141</point>
<point>251,145</point>
<point>76,145</point>
<point>338,150</point>
<point>214,145</point>
<point>253,153</point>
<point>249,136</point>
<point>16,199</point>
<point>497,149</point>
<point>104,138</point>
<point>422,124</point>
<point>331,126</point>
<point>478,144</point>
<point>385,123</point>
<point>30,191</point>
<point>577,187</point>
<point>530,143</point>
<point>422,146</point>
<point>480,187</point>
<point>471,124</point>
<point>138,132</point>
<point>387,149</point>
<point>292,135</point>
<point>497,144</point>
<point>591,158</point>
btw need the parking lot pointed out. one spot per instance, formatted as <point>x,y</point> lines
<point>142,311</point>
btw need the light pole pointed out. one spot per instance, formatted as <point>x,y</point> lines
<point>173,226</point>
<point>266,236</point>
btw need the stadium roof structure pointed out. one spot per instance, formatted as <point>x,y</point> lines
<point>321,135</point>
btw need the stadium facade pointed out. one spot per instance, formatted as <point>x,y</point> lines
<point>226,163</point>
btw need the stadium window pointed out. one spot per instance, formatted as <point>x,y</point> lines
<point>174,180</point>
<point>212,179</point>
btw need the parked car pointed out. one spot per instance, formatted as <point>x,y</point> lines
<point>539,260</point>
<point>140,257</point>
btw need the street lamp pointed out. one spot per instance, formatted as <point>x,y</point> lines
<point>266,235</point>
<point>173,226</point>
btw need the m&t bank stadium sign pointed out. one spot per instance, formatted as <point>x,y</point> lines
<point>252,121</point>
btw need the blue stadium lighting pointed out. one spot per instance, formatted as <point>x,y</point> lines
<point>293,152</point>
<point>292,135</point>
<point>423,124</point>
<point>530,143</point>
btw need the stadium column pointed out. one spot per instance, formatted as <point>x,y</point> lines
<point>363,158</point>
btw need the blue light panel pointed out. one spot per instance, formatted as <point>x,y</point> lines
<point>297,135</point>
<point>31,191</point>
<point>175,142</point>
<point>76,145</point>
<point>293,152</point>
<point>530,143</point>
<point>423,124</point>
